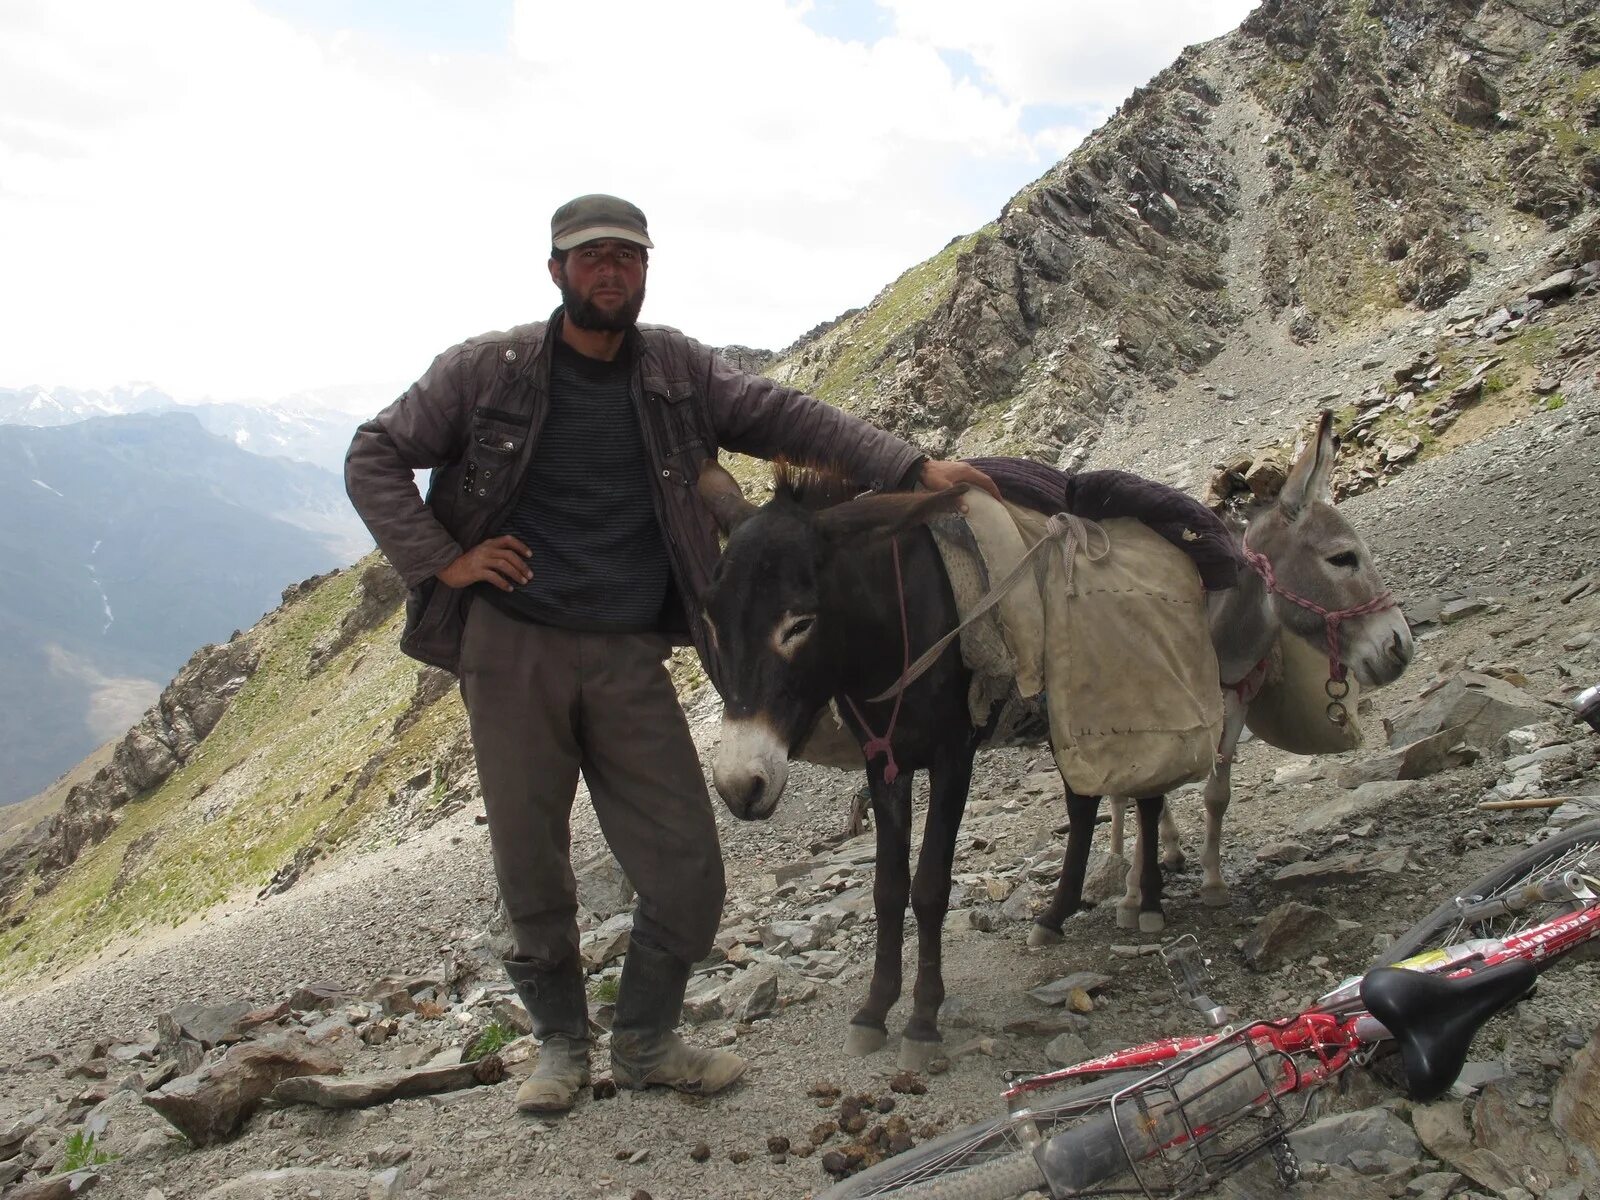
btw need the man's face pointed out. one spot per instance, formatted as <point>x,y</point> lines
<point>602,284</point>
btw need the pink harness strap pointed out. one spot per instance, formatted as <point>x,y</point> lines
<point>883,744</point>
<point>1249,687</point>
<point>1332,618</point>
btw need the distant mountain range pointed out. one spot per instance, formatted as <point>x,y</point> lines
<point>129,541</point>
<point>294,428</point>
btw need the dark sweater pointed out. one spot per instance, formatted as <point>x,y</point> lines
<point>586,511</point>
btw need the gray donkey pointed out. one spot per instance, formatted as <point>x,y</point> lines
<point>1311,575</point>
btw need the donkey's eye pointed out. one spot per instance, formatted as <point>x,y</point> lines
<point>1345,558</point>
<point>798,628</point>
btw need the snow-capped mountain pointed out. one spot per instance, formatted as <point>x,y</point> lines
<point>309,427</point>
<point>40,407</point>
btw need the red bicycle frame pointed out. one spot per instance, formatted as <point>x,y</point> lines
<point>1330,1040</point>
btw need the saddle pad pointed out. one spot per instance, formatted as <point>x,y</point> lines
<point>1291,709</point>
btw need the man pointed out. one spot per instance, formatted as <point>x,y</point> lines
<point>560,551</point>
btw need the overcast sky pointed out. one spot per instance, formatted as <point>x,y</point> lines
<point>247,200</point>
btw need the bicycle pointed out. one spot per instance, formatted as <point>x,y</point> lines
<point>1174,1117</point>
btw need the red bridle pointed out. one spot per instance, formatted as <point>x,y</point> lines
<point>875,745</point>
<point>1333,618</point>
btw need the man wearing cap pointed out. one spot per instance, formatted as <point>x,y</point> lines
<point>558,555</point>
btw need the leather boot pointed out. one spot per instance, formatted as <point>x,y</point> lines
<point>559,1006</point>
<point>645,1049</point>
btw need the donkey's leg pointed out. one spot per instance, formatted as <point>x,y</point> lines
<point>1171,845</point>
<point>891,886</point>
<point>1213,891</point>
<point>1140,906</point>
<point>1151,918</point>
<point>1081,814</point>
<point>1119,807</point>
<point>948,780</point>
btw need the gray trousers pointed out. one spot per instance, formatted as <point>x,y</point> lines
<point>546,705</point>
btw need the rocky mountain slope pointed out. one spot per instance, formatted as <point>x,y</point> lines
<point>1327,168</point>
<point>1376,207</point>
<point>129,540</point>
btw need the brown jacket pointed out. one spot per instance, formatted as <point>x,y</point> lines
<point>474,418</point>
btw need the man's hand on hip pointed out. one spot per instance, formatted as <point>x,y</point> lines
<point>938,474</point>
<point>502,561</point>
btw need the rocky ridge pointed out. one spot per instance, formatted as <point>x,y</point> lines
<point>1326,165</point>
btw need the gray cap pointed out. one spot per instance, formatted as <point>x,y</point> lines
<point>589,218</point>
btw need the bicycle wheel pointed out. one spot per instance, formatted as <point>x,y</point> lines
<point>984,1161</point>
<point>1578,849</point>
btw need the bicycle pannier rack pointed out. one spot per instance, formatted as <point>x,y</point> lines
<point>1181,1129</point>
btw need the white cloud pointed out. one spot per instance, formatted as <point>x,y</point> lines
<point>197,193</point>
<point>1072,52</point>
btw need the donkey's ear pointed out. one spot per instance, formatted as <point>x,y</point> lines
<point>723,496</point>
<point>880,516</point>
<point>1311,478</point>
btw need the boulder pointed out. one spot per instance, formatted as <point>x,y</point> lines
<point>1059,992</point>
<point>607,943</point>
<point>295,1183</point>
<point>799,936</point>
<point>1341,868</point>
<point>1346,807</point>
<point>364,1091</point>
<point>1288,931</point>
<point>209,1025</point>
<point>1106,878</point>
<point>752,993</point>
<point>1479,708</point>
<point>1066,1049</point>
<point>603,886</point>
<point>56,1187</point>
<point>1520,1135</point>
<point>213,1103</point>
<point>310,996</point>
<point>1575,1107</point>
<point>1553,287</point>
<point>1424,757</point>
<point>1470,98</point>
<point>1442,1129</point>
<point>1334,1139</point>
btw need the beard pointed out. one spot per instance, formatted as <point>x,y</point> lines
<point>586,315</point>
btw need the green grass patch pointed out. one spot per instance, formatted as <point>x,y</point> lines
<point>1339,273</point>
<point>79,1152</point>
<point>290,763</point>
<point>605,992</point>
<point>493,1038</point>
<point>843,361</point>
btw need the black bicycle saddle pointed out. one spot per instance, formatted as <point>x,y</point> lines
<point>1435,1018</point>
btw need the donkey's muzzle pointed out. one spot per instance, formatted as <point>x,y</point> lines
<point>751,768</point>
<point>1383,651</point>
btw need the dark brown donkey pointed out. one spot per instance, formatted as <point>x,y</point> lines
<point>821,598</point>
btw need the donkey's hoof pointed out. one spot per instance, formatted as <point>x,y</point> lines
<point>1043,935</point>
<point>863,1040</point>
<point>1152,922</point>
<point>1173,859</point>
<point>1127,918</point>
<point>1214,895</point>
<point>915,1055</point>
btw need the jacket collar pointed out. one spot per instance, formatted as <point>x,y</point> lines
<point>634,344</point>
